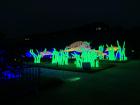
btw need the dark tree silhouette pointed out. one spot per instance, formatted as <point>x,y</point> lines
<point>2,35</point>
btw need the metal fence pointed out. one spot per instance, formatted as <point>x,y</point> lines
<point>32,73</point>
<point>24,73</point>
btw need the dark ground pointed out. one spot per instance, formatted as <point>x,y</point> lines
<point>115,86</point>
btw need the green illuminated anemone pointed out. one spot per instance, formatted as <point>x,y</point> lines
<point>78,61</point>
<point>121,52</point>
<point>60,57</point>
<point>87,56</point>
<point>101,50</point>
<point>37,57</point>
<point>111,53</point>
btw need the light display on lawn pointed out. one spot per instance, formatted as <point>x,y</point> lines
<point>116,53</point>
<point>60,57</point>
<point>101,49</point>
<point>45,53</point>
<point>37,57</point>
<point>85,54</point>
<point>78,46</point>
<point>121,52</point>
<point>111,53</point>
<point>78,60</point>
<point>89,56</point>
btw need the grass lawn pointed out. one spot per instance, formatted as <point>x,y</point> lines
<point>16,90</point>
<point>113,62</point>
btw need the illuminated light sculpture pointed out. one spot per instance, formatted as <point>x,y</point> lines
<point>77,46</point>
<point>97,63</point>
<point>93,58</point>
<point>11,75</point>
<point>73,49</point>
<point>111,53</point>
<point>46,53</point>
<point>37,57</point>
<point>87,56</point>
<point>45,50</point>
<point>55,55</point>
<point>60,58</point>
<point>66,58</point>
<point>28,54</point>
<point>90,56</point>
<point>115,48</point>
<point>78,61</point>
<point>121,52</point>
<point>101,49</point>
<point>63,58</point>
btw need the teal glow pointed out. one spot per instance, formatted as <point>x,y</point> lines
<point>74,79</point>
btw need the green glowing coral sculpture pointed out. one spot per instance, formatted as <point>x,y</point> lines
<point>121,52</point>
<point>60,57</point>
<point>111,53</point>
<point>37,57</point>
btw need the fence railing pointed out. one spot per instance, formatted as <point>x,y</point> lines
<point>23,73</point>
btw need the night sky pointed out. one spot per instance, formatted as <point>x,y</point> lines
<point>25,16</point>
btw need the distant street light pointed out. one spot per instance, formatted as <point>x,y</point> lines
<point>132,50</point>
<point>27,38</point>
<point>98,28</point>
